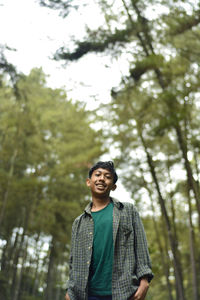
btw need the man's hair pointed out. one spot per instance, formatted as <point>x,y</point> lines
<point>108,165</point>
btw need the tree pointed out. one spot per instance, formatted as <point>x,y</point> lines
<point>5,66</point>
<point>155,110</point>
<point>47,145</point>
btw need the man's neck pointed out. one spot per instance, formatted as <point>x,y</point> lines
<point>99,203</point>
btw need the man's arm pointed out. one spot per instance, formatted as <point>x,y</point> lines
<point>67,297</point>
<point>143,262</point>
<point>141,291</point>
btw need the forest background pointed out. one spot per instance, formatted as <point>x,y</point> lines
<point>151,122</point>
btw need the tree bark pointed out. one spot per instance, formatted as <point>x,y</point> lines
<point>4,257</point>
<point>191,182</point>
<point>192,251</point>
<point>173,243</point>
<point>50,274</point>
<point>17,289</point>
<point>10,175</point>
<point>17,255</point>
<point>148,42</point>
<point>165,265</point>
<point>172,208</point>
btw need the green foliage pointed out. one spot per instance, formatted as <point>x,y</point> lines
<point>154,125</point>
<point>5,66</point>
<point>4,290</point>
<point>46,147</point>
<point>151,62</point>
<point>152,120</point>
<point>62,5</point>
<point>98,42</point>
<point>180,21</point>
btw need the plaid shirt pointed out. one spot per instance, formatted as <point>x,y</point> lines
<point>131,256</point>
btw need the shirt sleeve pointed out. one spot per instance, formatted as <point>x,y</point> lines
<point>143,262</point>
<point>70,281</point>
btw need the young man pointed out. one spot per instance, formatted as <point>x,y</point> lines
<point>109,255</point>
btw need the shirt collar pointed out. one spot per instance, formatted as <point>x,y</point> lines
<point>116,203</point>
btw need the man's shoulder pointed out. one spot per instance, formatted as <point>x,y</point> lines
<point>129,209</point>
<point>125,205</point>
<point>128,205</point>
<point>84,213</point>
<point>77,219</point>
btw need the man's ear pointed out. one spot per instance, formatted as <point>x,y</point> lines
<point>88,182</point>
<point>114,187</point>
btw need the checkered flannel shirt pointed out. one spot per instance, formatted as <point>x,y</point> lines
<point>131,256</point>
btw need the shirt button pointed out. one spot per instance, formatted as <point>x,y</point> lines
<point>88,262</point>
<point>90,232</point>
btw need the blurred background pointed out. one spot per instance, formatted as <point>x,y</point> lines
<point>82,81</point>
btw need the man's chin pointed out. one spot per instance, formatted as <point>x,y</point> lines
<point>102,193</point>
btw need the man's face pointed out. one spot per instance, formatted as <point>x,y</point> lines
<point>101,182</point>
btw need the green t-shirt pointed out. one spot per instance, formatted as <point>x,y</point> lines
<point>100,279</point>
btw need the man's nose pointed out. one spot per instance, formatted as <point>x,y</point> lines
<point>101,177</point>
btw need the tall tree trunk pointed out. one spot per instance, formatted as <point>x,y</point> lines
<point>172,240</point>
<point>173,243</point>
<point>36,274</point>
<point>148,49</point>
<point>11,254</point>
<point>191,182</point>
<point>36,280</point>
<point>17,254</point>
<point>15,265</point>
<point>19,279</point>
<point>5,251</point>
<point>196,154</point>
<point>57,293</point>
<point>10,175</point>
<point>192,251</point>
<point>169,261</point>
<point>39,279</point>
<point>165,265</point>
<point>146,43</point>
<point>50,273</point>
<point>34,260</point>
<point>172,207</point>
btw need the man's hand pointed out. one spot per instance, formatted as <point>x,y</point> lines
<point>141,291</point>
<point>67,297</point>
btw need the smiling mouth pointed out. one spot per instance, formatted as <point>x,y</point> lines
<point>100,185</point>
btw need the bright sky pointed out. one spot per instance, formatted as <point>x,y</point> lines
<point>36,33</point>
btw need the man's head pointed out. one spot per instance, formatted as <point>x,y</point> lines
<point>102,179</point>
<point>107,165</point>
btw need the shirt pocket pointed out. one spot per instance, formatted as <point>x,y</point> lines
<point>126,234</point>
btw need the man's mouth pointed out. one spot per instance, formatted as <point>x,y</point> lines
<point>100,185</point>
